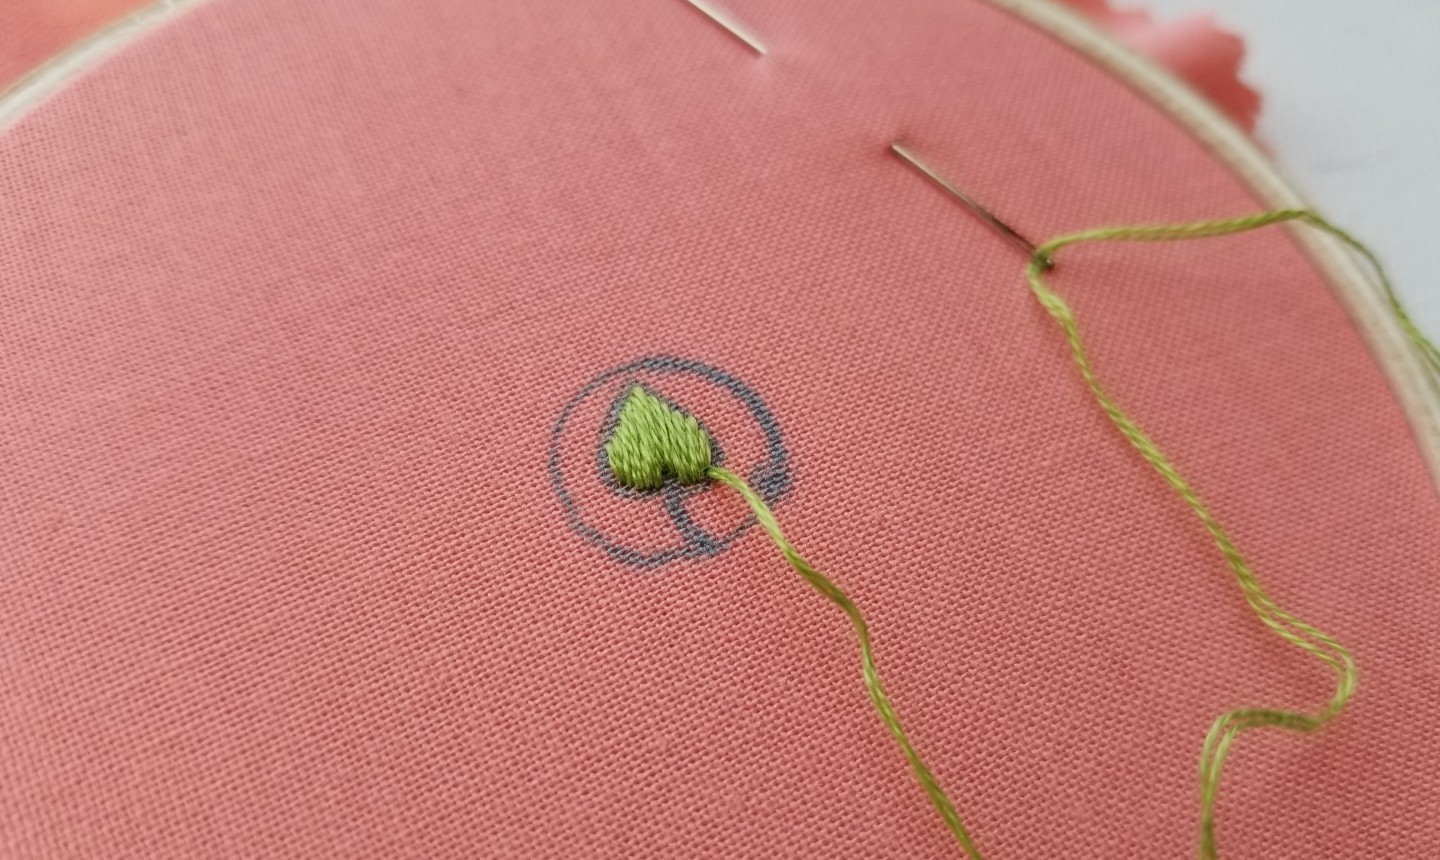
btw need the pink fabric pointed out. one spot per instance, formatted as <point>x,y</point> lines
<point>1193,49</point>
<point>32,31</point>
<point>292,296</point>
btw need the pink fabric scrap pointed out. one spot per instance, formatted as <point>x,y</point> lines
<point>1194,49</point>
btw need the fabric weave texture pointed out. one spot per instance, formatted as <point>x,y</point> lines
<point>293,295</point>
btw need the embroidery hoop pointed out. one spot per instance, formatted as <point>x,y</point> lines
<point>1221,139</point>
<point>1418,398</point>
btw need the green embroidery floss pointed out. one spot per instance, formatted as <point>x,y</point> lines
<point>653,441</point>
<point>1231,725</point>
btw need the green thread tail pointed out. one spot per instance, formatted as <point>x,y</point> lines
<point>654,441</point>
<point>1231,725</point>
<point>873,686</point>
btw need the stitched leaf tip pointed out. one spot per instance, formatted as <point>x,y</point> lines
<point>654,441</point>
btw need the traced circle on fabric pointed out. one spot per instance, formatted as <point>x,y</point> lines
<point>770,477</point>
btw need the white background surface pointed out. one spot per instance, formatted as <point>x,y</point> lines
<point>1351,113</point>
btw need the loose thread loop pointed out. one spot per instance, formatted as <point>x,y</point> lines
<point>1429,354</point>
<point>653,441</point>
<point>873,686</point>
<point>1326,649</point>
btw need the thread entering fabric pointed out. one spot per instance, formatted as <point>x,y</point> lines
<point>653,441</point>
<point>1228,726</point>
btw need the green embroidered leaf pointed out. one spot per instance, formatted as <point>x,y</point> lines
<point>653,441</point>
